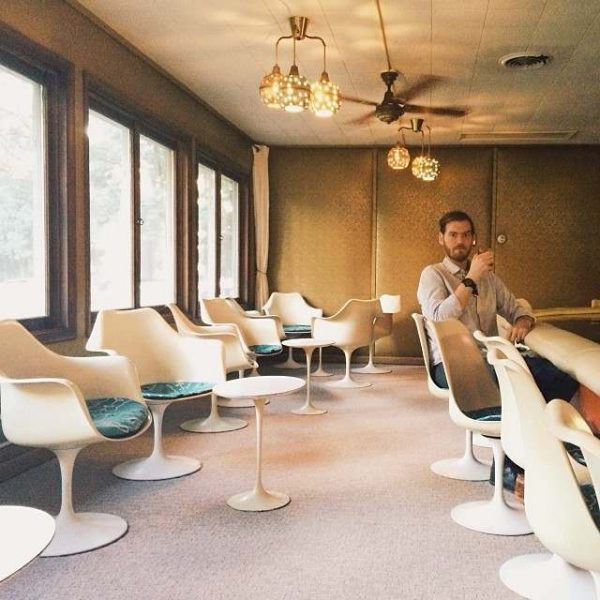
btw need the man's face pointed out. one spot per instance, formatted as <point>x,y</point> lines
<point>457,240</point>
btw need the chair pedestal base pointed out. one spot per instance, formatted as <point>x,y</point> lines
<point>492,517</point>
<point>290,363</point>
<point>464,468</point>
<point>156,467</point>
<point>539,576</point>
<point>258,500</point>
<point>213,424</point>
<point>321,372</point>
<point>80,532</point>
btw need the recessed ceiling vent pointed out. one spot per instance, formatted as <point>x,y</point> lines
<point>524,62</point>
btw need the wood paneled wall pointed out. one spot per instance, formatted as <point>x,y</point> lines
<point>345,225</point>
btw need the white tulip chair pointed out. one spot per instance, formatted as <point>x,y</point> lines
<point>474,404</point>
<point>468,467</point>
<point>64,404</point>
<point>528,439</point>
<point>172,367</point>
<point>350,328</point>
<point>296,317</point>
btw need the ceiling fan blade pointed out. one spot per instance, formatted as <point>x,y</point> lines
<point>432,110</point>
<point>423,84</point>
<point>362,119</point>
<point>358,100</point>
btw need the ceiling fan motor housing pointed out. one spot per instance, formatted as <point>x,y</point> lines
<point>388,112</point>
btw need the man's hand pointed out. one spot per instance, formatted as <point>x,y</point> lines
<point>481,264</point>
<point>521,327</point>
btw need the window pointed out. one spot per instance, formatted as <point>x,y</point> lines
<point>34,286</point>
<point>220,234</point>
<point>132,199</point>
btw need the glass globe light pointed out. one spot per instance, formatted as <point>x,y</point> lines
<point>430,168</point>
<point>398,157</point>
<point>295,92</point>
<point>270,88</point>
<point>324,97</point>
<point>417,166</point>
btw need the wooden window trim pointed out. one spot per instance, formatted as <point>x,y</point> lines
<point>58,76</point>
<point>101,98</point>
<point>221,167</point>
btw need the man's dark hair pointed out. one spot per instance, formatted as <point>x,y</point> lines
<point>455,215</point>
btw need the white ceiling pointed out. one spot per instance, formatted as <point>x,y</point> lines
<point>220,49</point>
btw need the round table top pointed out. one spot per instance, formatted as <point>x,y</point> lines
<point>24,533</point>
<point>258,387</point>
<point>307,343</point>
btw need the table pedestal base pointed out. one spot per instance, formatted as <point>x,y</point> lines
<point>81,532</point>
<point>258,500</point>
<point>309,409</point>
<point>237,403</point>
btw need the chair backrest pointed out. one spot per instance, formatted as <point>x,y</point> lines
<point>554,504</point>
<point>158,352</point>
<point>471,385</point>
<point>184,323</point>
<point>218,310</point>
<point>291,308</point>
<point>352,324</point>
<point>434,389</point>
<point>22,355</point>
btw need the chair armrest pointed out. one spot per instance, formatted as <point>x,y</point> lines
<point>53,409</point>
<point>235,356</point>
<point>262,330</point>
<point>103,376</point>
<point>196,358</point>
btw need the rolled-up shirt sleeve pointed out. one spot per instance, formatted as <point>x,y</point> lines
<point>437,300</point>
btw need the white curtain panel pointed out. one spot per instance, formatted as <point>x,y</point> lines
<point>260,183</point>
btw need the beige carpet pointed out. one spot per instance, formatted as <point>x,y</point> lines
<point>368,519</point>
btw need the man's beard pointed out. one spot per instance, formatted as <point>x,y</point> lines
<point>459,253</point>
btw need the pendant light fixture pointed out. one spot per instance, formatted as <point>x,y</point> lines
<point>293,92</point>
<point>398,157</point>
<point>430,167</point>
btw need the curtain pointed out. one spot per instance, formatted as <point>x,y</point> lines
<point>260,184</point>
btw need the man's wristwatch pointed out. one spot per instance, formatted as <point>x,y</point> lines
<point>468,282</point>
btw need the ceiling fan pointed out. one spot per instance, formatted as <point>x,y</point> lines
<point>393,106</point>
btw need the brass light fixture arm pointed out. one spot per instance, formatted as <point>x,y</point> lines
<point>283,37</point>
<point>429,140</point>
<point>316,37</point>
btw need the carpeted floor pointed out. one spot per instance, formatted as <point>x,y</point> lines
<point>368,519</point>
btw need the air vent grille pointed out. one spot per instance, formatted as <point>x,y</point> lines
<point>525,61</point>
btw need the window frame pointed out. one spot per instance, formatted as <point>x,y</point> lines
<point>57,76</point>
<point>221,167</point>
<point>102,99</point>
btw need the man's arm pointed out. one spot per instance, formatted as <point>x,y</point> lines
<point>437,301</point>
<point>520,317</point>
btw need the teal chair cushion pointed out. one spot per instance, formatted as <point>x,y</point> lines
<point>117,417</point>
<point>591,501</point>
<point>576,453</point>
<point>170,390</point>
<point>297,328</point>
<point>265,349</point>
<point>491,413</point>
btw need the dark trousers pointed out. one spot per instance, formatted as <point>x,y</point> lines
<point>552,382</point>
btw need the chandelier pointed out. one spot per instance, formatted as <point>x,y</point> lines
<point>294,92</point>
